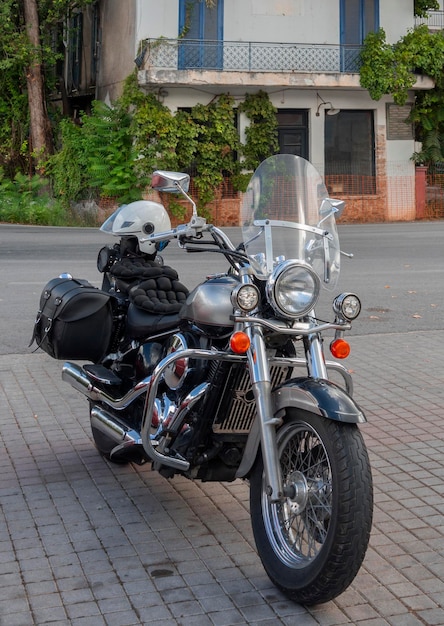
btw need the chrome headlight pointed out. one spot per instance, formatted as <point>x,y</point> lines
<point>347,306</point>
<point>292,289</point>
<point>245,297</point>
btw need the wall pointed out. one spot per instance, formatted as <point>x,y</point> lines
<point>396,17</point>
<point>117,50</point>
<point>157,19</point>
<point>282,20</point>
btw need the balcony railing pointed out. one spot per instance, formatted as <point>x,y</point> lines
<point>434,20</point>
<point>235,56</point>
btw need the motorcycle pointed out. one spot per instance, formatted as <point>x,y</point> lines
<point>229,380</point>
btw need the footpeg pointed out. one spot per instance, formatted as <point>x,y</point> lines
<point>101,374</point>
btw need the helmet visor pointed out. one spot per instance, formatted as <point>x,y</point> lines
<point>107,226</point>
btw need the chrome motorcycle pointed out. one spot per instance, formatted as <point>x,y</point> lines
<point>230,380</point>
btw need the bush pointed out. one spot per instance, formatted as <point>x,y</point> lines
<point>25,200</point>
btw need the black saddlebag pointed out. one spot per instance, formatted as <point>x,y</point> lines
<point>74,320</point>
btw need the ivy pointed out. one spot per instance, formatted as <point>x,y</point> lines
<point>115,149</point>
<point>261,134</point>
<point>388,69</point>
<point>422,6</point>
<point>392,70</point>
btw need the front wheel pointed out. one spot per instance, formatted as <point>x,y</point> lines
<point>313,543</point>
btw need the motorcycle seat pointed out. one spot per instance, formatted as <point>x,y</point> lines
<point>141,323</point>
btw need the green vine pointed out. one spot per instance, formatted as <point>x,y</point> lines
<point>391,69</point>
<point>422,6</point>
<point>115,149</point>
<point>261,134</point>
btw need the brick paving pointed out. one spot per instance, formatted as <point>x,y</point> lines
<point>87,543</point>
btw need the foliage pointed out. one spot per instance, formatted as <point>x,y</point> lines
<point>108,145</point>
<point>97,157</point>
<point>13,96</point>
<point>428,117</point>
<point>16,54</point>
<point>388,69</point>
<point>68,167</point>
<point>261,134</point>
<point>115,149</point>
<point>25,200</point>
<point>391,70</point>
<point>215,143</point>
<point>422,6</point>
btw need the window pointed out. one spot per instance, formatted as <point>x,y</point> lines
<point>201,31</point>
<point>358,19</point>
<point>75,52</point>
<point>350,153</point>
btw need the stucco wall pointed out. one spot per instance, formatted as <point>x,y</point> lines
<point>304,21</point>
<point>157,19</point>
<point>282,21</point>
<point>117,51</point>
<point>396,17</point>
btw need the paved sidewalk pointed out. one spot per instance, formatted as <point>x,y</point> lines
<point>87,543</point>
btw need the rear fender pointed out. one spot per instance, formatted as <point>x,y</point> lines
<point>321,397</point>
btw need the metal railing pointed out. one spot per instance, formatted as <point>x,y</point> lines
<point>240,56</point>
<point>434,20</point>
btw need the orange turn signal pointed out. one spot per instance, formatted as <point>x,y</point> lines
<point>340,348</point>
<point>239,342</point>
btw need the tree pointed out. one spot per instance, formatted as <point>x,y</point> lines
<point>40,127</point>
<point>27,60</point>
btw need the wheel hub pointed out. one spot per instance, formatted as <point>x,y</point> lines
<point>296,492</point>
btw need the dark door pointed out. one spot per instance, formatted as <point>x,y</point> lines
<point>293,132</point>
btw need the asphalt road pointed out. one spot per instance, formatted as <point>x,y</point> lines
<point>397,270</point>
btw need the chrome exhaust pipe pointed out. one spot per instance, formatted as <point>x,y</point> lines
<point>76,376</point>
<point>122,441</point>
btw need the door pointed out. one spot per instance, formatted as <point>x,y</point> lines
<point>293,132</point>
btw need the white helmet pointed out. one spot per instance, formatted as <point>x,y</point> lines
<point>139,219</point>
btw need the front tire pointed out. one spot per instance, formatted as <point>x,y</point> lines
<point>313,543</point>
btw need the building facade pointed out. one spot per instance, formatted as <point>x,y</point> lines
<point>303,53</point>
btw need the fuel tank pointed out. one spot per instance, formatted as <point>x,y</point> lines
<point>209,306</point>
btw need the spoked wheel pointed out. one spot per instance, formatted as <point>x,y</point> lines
<point>312,544</point>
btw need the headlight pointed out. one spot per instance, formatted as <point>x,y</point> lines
<point>292,289</point>
<point>245,297</point>
<point>347,306</point>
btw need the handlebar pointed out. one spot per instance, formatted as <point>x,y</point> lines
<point>195,227</point>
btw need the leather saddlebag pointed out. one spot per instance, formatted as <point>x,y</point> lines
<point>74,320</point>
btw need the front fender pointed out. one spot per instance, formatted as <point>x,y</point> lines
<point>321,397</point>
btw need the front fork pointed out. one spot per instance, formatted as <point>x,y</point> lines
<point>261,385</point>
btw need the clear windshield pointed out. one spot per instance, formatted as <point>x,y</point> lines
<point>286,214</point>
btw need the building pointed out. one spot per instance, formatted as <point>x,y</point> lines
<point>303,53</point>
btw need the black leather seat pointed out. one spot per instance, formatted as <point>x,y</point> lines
<point>140,323</point>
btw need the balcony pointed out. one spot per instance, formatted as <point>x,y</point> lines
<point>240,56</point>
<point>434,20</point>
<point>216,65</point>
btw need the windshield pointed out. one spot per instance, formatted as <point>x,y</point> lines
<point>286,215</point>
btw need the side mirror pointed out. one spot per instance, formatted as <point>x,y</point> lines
<point>338,206</point>
<point>170,182</point>
<point>329,206</point>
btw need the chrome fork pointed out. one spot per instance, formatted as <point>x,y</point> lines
<point>261,385</point>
